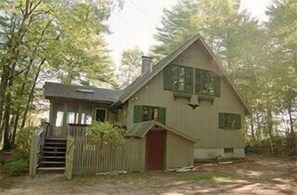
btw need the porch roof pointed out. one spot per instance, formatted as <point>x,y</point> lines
<point>139,130</point>
<point>91,94</point>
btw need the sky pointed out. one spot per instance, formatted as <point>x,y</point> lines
<point>135,24</point>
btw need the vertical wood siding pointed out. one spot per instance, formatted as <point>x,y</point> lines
<point>179,151</point>
<point>201,123</point>
<point>91,157</point>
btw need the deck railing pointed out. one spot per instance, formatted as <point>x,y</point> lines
<point>36,147</point>
<point>77,130</point>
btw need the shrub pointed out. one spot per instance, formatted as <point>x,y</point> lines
<point>16,165</point>
<point>106,132</point>
<point>23,141</point>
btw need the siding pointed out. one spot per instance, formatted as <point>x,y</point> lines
<point>179,151</point>
<point>201,123</point>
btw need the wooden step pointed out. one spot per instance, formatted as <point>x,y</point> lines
<point>55,147</point>
<point>55,139</point>
<point>52,162</point>
<point>54,152</point>
<point>51,168</point>
<point>53,157</point>
<point>55,143</point>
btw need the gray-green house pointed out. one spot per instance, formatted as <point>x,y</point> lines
<point>199,112</point>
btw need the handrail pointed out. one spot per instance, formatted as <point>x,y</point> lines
<point>36,147</point>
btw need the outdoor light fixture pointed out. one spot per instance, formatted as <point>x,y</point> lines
<point>193,103</point>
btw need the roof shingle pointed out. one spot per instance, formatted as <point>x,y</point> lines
<point>91,94</point>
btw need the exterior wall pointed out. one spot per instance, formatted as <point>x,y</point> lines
<point>179,151</point>
<point>211,153</point>
<point>201,123</point>
<point>65,105</point>
<point>122,115</point>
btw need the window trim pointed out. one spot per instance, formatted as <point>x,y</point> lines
<point>167,80</point>
<point>162,111</point>
<point>222,121</point>
<point>99,108</point>
<point>170,88</point>
<point>217,90</point>
<point>228,150</point>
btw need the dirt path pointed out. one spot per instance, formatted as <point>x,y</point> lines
<point>258,175</point>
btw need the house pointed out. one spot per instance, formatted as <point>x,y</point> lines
<point>183,108</point>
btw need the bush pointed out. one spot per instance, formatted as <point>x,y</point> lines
<point>16,165</point>
<point>23,141</point>
<point>106,132</point>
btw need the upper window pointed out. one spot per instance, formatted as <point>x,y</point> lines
<point>149,113</point>
<point>229,121</point>
<point>178,78</point>
<point>206,83</point>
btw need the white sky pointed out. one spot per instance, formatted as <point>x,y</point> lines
<point>136,23</point>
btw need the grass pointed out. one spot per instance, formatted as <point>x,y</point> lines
<point>7,182</point>
<point>204,176</point>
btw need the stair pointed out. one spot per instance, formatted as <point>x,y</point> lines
<point>53,155</point>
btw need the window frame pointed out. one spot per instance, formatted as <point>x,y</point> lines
<point>95,114</point>
<point>139,114</point>
<point>224,124</point>
<point>171,76</point>
<point>215,82</point>
<point>169,73</point>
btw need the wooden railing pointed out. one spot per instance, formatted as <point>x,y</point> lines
<point>69,157</point>
<point>36,147</point>
<point>77,130</point>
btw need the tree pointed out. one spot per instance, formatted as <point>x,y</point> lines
<point>37,36</point>
<point>283,32</point>
<point>130,66</point>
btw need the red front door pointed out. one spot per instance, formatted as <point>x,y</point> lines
<point>155,152</point>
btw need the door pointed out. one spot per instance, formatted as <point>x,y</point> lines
<point>155,150</point>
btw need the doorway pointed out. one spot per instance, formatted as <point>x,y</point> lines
<point>155,149</point>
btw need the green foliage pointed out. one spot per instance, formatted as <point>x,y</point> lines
<point>130,66</point>
<point>23,143</point>
<point>18,164</point>
<point>40,38</point>
<point>106,132</point>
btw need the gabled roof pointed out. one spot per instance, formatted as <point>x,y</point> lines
<point>91,94</point>
<point>141,81</point>
<point>139,130</point>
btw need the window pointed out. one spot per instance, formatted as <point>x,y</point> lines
<point>148,113</point>
<point>73,114</point>
<point>229,121</point>
<point>58,116</point>
<point>228,150</point>
<point>178,79</point>
<point>206,83</point>
<point>100,114</point>
<point>86,115</point>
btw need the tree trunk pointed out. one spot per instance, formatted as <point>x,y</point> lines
<point>270,129</point>
<point>292,141</point>
<point>31,95</point>
<point>3,86</point>
<point>6,118</point>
